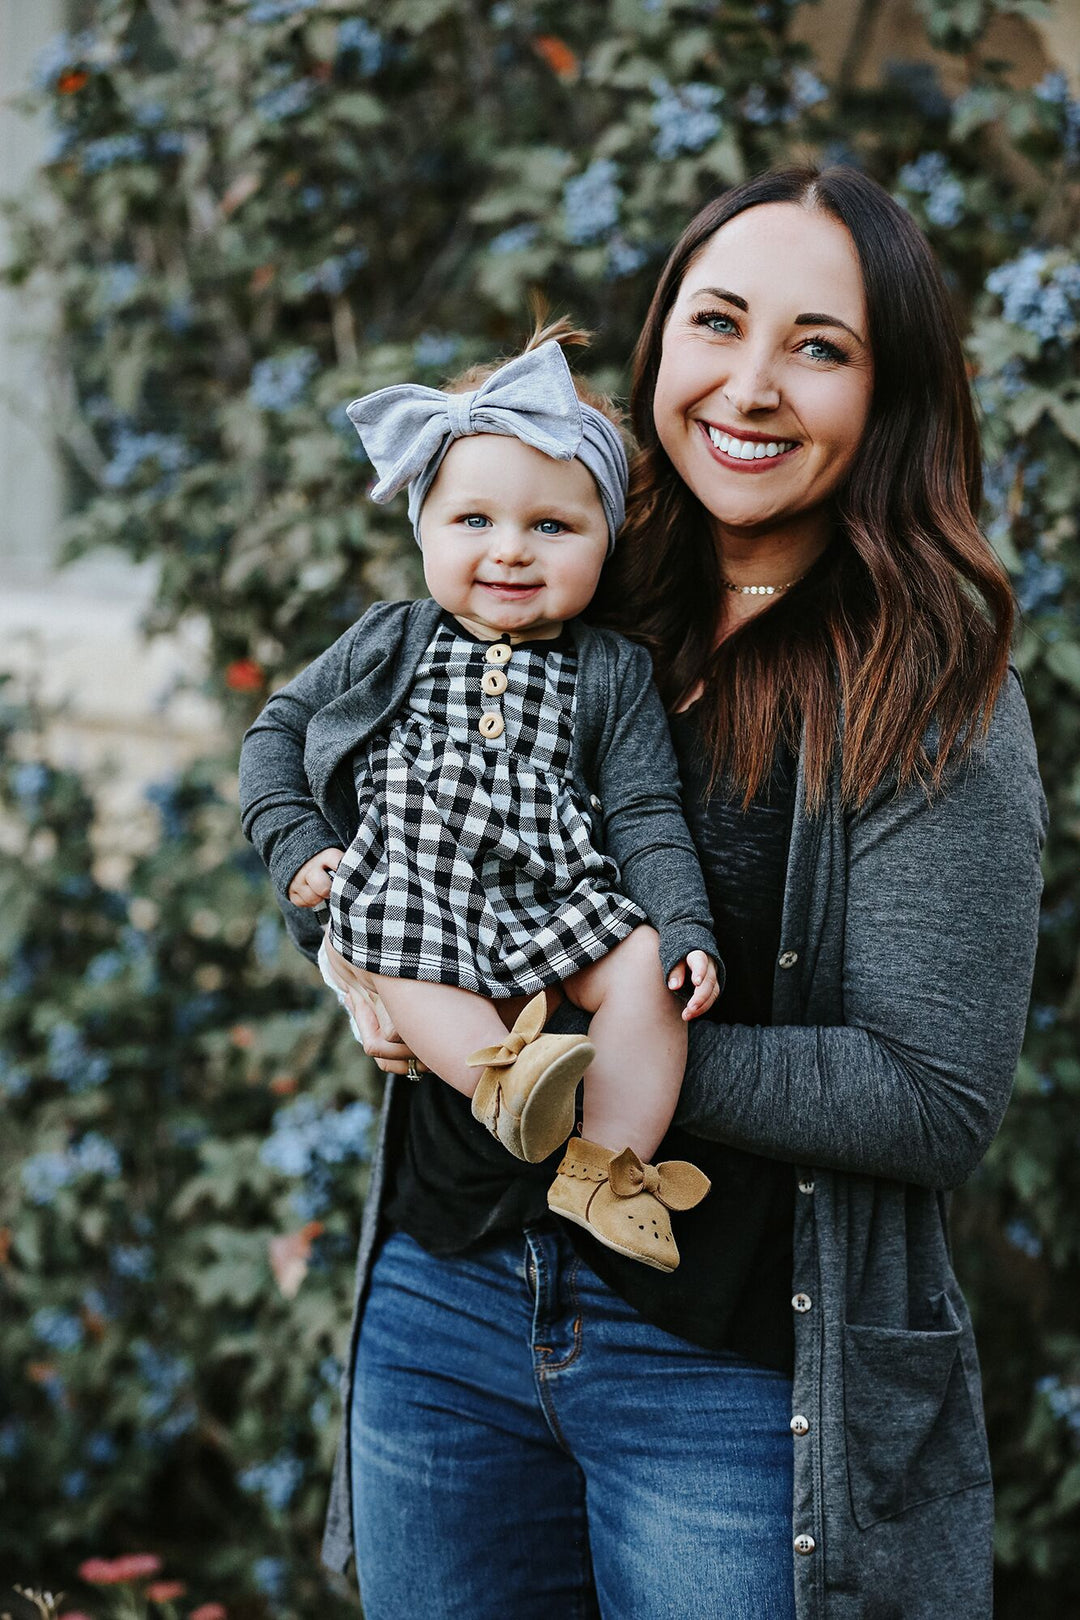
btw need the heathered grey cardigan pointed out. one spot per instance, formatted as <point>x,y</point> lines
<point>899,999</point>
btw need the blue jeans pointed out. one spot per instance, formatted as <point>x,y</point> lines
<point>524,1443</point>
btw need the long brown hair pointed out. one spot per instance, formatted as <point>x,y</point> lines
<point>905,621</point>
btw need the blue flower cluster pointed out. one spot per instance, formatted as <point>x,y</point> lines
<point>271,11</point>
<point>118,284</point>
<point>29,782</point>
<point>1054,89</point>
<point>756,108</point>
<point>806,90</point>
<point>357,37</point>
<point>269,1575</point>
<point>279,383</point>
<point>1024,1237</point>
<point>515,239</point>
<point>14,1079</point>
<point>44,1174</point>
<point>333,275</point>
<point>1063,1399</point>
<point>1041,297</point>
<point>132,1260</point>
<point>133,453</point>
<point>684,117</point>
<point>109,150</point>
<point>276,1481</point>
<point>163,1402</point>
<point>75,1482</point>
<point>287,102</point>
<point>60,1330</point>
<point>591,203</point>
<point>930,177</point>
<point>623,257</point>
<point>101,1448</point>
<point>1039,587</point>
<point>71,1062</point>
<point>13,1436</point>
<point>436,349</point>
<point>307,1135</point>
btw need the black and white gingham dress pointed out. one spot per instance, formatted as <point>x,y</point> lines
<point>473,864</point>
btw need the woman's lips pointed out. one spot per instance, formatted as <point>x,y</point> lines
<point>764,464</point>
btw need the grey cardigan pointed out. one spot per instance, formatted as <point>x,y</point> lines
<point>899,1002</point>
<point>297,795</point>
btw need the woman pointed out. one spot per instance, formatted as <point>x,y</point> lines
<point>792,1423</point>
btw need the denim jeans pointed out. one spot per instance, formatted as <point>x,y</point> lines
<point>524,1443</point>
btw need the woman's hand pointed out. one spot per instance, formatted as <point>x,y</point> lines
<point>378,1037</point>
<point>705,981</point>
<point>311,885</point>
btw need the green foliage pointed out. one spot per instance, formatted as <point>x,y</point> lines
<point>252,211</point>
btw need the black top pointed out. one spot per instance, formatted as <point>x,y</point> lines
<point>455,1185</point>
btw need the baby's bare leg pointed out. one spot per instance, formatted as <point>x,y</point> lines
<point>632,1085</point>
<point>442,1024</point>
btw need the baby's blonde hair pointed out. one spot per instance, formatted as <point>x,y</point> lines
<point>561,331</point>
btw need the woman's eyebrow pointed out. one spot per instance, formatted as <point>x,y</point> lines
<point>809,319</point>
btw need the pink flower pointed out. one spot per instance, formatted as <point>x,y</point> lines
<point>165,1591</point>
<point>209,1611</point>
<point>118,1571</point>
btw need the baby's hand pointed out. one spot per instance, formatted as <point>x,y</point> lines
<point>705,981</point>
<point>311,885</point>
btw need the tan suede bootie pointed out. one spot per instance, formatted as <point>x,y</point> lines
<point>625,1203</point>
<point>525,1095</point>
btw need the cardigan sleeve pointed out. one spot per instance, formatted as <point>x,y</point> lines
<point>278,811</point>
<point>939,945</point>
<point>644,828</point>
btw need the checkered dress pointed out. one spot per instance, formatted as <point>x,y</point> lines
<point>473,864</point>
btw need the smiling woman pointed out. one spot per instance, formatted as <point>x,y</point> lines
<point>852,369</point>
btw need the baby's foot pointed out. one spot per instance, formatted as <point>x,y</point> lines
<point>625,1203</point>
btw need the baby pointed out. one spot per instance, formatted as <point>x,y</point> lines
<point>513,819</point>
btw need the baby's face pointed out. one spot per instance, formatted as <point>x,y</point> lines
<point>512,540</point>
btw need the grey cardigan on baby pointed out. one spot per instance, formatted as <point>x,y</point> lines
<point>899,1000</point>
<point>297,794</point>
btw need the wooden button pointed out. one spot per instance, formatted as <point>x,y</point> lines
<point>499,653</point>
<point>491,725</point>
<point>494,682</point>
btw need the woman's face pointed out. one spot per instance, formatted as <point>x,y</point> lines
<point>766,373</point>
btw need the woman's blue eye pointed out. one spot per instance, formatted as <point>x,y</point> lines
<point>831,351</point>
<point>709,318</point>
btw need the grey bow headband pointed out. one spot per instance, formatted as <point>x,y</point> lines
<point>407,430</point>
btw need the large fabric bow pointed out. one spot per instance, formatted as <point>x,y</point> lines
<point>676,1183</point>
<point>407,429</point>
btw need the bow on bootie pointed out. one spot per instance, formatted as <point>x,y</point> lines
<point>677,1184</point>
<point>527,1026</point>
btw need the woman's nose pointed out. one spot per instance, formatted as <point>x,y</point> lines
<point>751,385</point>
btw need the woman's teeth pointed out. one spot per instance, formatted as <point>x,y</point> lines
<point>749,449</point>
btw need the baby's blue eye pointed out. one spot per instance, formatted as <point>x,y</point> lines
<point>550,526</point>
<point>474,520</point>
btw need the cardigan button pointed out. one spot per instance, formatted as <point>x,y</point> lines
<point>498,653</point>
<point>494,683</point>
<point>801,1303</point>
<point>805,1545</point>
<point>788,959</point>
<point>799,1424</point>
<point>806,1185</point>
<point>491,726</point>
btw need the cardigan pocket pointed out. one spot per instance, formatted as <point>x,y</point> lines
<point>912,1433</point>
